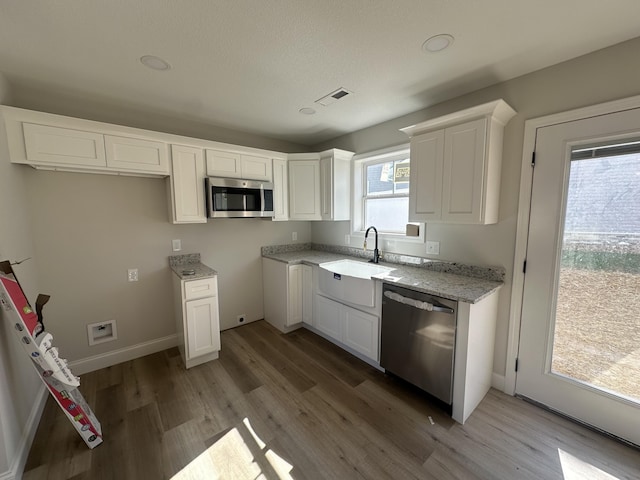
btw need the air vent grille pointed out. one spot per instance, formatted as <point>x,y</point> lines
<point>334,96</point>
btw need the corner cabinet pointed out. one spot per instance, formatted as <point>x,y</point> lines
<point>456,164</point>
<point>320,185</point>
<point>197,319</point>
<point>287,294</point>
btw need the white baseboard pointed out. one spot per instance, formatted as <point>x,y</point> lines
<point>28,434</point>
<point>497,381</point>
<point>96,362</point>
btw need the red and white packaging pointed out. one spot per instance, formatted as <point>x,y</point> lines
<point>38,345</point>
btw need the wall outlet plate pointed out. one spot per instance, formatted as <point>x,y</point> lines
<point>132,275</point>
<point>294,236</point>
<point>176,245</point>
<point>433,248</point>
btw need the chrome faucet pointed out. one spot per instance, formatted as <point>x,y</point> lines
<point>376,252</point>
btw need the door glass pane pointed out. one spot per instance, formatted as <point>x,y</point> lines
<point>597,324</point>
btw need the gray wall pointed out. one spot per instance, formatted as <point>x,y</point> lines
<point>601,76</point>
<point>19,383</point>
<point>89,229</point>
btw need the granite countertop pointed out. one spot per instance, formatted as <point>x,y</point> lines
<point>189,267</point>
<point>459,287</point>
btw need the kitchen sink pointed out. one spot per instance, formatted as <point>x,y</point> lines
<point>351,280</point>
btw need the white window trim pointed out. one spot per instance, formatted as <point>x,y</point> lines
<point>357,165</point>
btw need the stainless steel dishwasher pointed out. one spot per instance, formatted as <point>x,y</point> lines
<point>418,339</point>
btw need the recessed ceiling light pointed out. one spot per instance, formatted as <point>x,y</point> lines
<point>154,63</point>
<point>307,111</point>
<point>437,43</point>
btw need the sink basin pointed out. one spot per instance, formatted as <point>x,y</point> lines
<point>351,281</point>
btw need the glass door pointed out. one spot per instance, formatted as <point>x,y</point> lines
<point>579,349</point>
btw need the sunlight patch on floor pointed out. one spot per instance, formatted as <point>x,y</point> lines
<point>231,457</point>
<point>575,469</point>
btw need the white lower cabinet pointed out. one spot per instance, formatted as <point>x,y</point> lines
<point>197,319</point>
<point>353,328</point>
<point>287,294</point>
<point>326,317</point>
<point>360,331</point>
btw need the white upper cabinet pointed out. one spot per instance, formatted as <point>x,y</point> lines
<point>187,193</point>
<point>63,146</point>
<point>136,154</point>
<point>55,142</point>
<point>320,185</point>
<point>456,164</point>
<point>335,184</point>
<point>280,190</point>
<point>238,165</point>
<point>304,187</point>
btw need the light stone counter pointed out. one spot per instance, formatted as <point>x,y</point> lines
<point>189,267</point>
<point>455,286</point>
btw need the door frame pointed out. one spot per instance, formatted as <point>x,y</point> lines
<point>524,209</point>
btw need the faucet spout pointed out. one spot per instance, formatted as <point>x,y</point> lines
<point>376,252</point>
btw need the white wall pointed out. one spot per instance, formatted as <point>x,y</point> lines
<point>605,75</point>
<point>19,383</point>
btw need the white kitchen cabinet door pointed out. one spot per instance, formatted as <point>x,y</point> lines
<point>138,155</point>
<point>295,279</point>
<point>425,181</point>
<point>280,190</point>
<point>327,317</point>
<point>335,185</point>
<point>187,185</point>
<point>223,164</point>
<point>255,168</point>
<point>203,327</point>
<point>63,146</point>
<point>307,294</point>
<point>326,188</point>
<point>360,332</point>
<point>304,190</point>
<point>463,173</point>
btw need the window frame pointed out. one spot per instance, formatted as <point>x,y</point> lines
<point>359,164</point>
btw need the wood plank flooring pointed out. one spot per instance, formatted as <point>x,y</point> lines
<point>295,406</point>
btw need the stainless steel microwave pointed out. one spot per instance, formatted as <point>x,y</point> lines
<point>233,197</point>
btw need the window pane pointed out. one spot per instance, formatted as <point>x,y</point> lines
<point>597,325</point>
<point>401,175</point>
<point>380,179</point>
<point>387,214</point>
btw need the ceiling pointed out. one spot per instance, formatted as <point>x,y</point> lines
<point>251,65</point>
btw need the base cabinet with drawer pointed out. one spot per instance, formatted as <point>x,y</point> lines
<point>197,319</point>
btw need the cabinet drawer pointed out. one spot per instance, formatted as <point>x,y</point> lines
<point>207,287</point>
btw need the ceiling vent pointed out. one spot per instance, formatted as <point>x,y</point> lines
<point>334,96</point>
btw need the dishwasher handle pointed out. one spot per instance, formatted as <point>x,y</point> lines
<point>430,307</point>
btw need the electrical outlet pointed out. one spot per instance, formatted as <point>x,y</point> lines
<point>132,275</point>
<point>347,239</point>
<point>433,248</point>
<point>241,318</point>
<point>176,245</point>
<point>294,236</point>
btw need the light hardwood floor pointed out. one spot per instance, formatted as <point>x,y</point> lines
<point>294,406</point>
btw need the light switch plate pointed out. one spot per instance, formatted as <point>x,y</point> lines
<point>176,245</point>
<point>433,248</point>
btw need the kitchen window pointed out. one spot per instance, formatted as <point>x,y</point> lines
<point>381,193</point>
